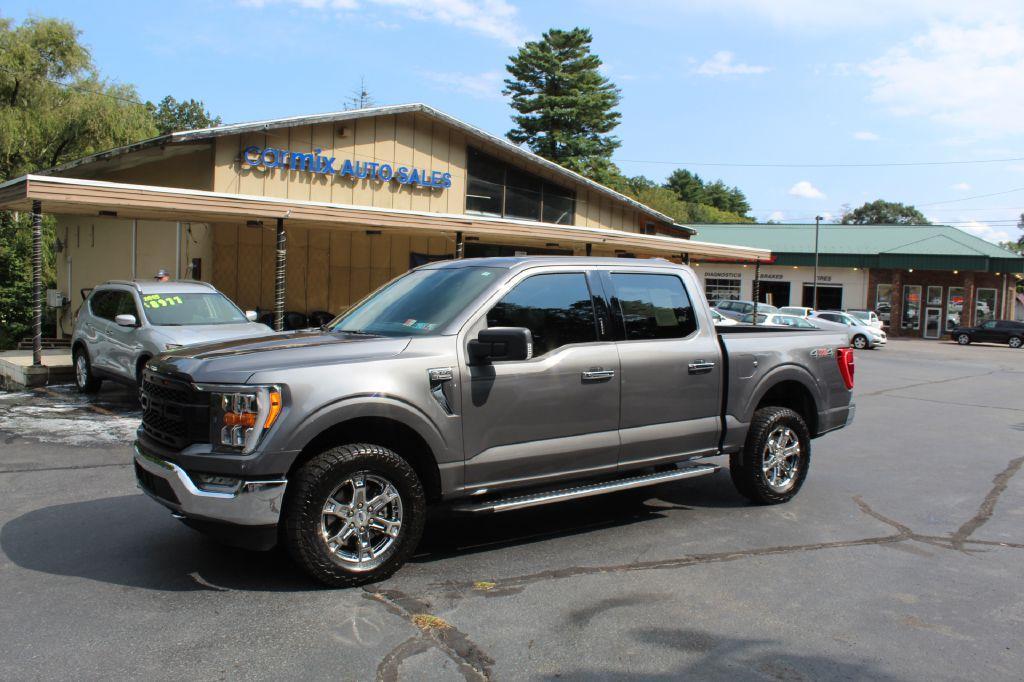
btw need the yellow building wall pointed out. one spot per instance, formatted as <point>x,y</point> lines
<point>95,250</point>
<point>186,170</point>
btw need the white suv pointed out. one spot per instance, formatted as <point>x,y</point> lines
<point>123,324</point>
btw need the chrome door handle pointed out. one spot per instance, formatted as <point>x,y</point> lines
<point>598,374</point>
<point>701,367</point>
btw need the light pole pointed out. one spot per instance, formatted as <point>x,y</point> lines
<point>817,228</point>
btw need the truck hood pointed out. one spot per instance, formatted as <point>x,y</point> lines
<point>211,333</point>
<point>236,361</point>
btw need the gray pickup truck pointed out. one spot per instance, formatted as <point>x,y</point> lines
<point>484,385</point>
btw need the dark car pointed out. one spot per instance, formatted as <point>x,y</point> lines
<point>994,331</point>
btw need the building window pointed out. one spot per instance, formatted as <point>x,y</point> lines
<point>722,289</point>
<point>954,307</point>
<point>934,298</point>
<point>985,306</point>
<point>883,302</point>
<point>654,306</point>
<point>499,189</point>
<point>911,307</point>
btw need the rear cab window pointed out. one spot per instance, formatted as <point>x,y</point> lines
<point>653,306</point>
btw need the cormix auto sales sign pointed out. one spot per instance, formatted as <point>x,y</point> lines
<point>269,157</point>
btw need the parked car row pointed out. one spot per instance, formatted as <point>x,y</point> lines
<point>862,327</point>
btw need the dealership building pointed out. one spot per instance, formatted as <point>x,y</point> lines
<point>922,279</point>
<point>337,204</point>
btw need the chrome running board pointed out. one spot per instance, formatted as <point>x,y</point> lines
<point>551,496</point>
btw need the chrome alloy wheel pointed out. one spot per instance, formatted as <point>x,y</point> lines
<point>361,520</point>
<point>81,370</point>
<point>781,459</point>
<point>1015,342</point>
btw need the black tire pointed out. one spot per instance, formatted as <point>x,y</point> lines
<point>304,511</point>
<point>860,342</point>
<point>85,380</point>
<point>1015,342</point>
<point>963,339</point>
<point>746,467</point>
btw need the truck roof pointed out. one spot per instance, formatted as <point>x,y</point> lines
<point>525,261</point>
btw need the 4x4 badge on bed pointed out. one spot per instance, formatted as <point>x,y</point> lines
<point>823,353</point>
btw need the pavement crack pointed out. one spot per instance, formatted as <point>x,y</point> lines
<point>988,505</point>
<point>473,663</point>
<point>930,383</point>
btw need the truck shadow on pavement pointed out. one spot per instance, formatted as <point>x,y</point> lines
<point>127,540</point>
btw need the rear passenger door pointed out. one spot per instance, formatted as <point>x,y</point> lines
<point>670,366</point>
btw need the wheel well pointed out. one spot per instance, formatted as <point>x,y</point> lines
<point>79,346</point>
<point>795,396</point>
<point>394,435</point>
<point>141,362</point>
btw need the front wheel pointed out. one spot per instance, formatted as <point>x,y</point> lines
<point>860,342</point>
<point>85,381</point>
<point>963,339</point>
<point>773,464</point>
<point>1015,342</point>
<point>353,514</point>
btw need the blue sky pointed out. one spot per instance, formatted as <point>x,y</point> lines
<point>703,81</point>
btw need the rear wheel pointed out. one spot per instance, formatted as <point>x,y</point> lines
<point>775,458</point>
<point>353,514</point>
<point>1015,342</point>
<point>963,339</point>
<point>860,342</point>
<point>84,379</point>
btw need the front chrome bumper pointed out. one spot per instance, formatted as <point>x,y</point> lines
<point>252,503</point>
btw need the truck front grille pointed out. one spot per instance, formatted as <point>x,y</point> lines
<point>174,413</point>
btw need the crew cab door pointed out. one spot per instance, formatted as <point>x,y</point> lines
<point>556,414</point>
<point>670,364</point>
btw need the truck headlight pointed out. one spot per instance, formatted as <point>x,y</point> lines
<point>239,417</point>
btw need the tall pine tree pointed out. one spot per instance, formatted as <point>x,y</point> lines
<point>566,108</point>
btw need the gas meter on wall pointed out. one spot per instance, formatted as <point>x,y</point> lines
<point>55,299</point>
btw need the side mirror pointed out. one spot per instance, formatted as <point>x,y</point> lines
<point>251,315</point>
<point>501,343</point>
<point>126,320</point>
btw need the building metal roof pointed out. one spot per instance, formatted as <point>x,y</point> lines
<point>885,246</point>
<point>204,134</point>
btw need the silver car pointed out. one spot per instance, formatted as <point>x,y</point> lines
<point>123,324</point>
<point>861,335</point>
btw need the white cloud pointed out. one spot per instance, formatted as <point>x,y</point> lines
<point>722,64</point>
<point>865,135</point>
<point>485,85</point>
<point>986,231</point>
<point>827,217</point>
<point>960,187</point>
<point>777,216</point>
<point>1016,167</point>
<point>971,79</point>
<point>841,16</point>
<point>497,19</point>
<point>806,190</point>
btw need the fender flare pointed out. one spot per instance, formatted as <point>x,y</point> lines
<point>786,372</point>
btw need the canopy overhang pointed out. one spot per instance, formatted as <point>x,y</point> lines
<point>74,196</point>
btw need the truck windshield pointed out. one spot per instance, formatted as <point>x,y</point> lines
<point>421,303</point>
<point>177,310</point>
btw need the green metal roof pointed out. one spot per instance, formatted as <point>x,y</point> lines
<point>936,247</point>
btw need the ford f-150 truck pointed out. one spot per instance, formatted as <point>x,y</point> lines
<point>484,385</point>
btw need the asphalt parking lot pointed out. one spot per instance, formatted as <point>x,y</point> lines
<point>902,558</point>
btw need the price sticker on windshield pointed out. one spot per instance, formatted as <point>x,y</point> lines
<point>158,301</point>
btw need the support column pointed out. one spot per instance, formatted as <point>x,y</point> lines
<point>896,305</point>
<point>37,283</point>
<point>757,286</point>
<point>279,277</point>
<point>590,248</point>
<point>685,257</point>
<point>967,314</point>
<point>460,246</point>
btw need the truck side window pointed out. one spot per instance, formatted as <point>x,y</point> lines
<point>556,308</point>
<point>654,306</point>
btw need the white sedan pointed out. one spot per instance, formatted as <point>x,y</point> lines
<point>779,320</point>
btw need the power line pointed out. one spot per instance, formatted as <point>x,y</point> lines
<point>976,196</point>
<point>71,86</point>
<point>822,165</point>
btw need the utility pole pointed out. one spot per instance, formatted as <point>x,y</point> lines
<point>817,229</point>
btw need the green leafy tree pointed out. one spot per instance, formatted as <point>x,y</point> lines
<point>665,200</point>
<point>565,107</point>
<point>884,213</point>
<point>170,115</point>
<point>687,186</point>
<point>54,107</point>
